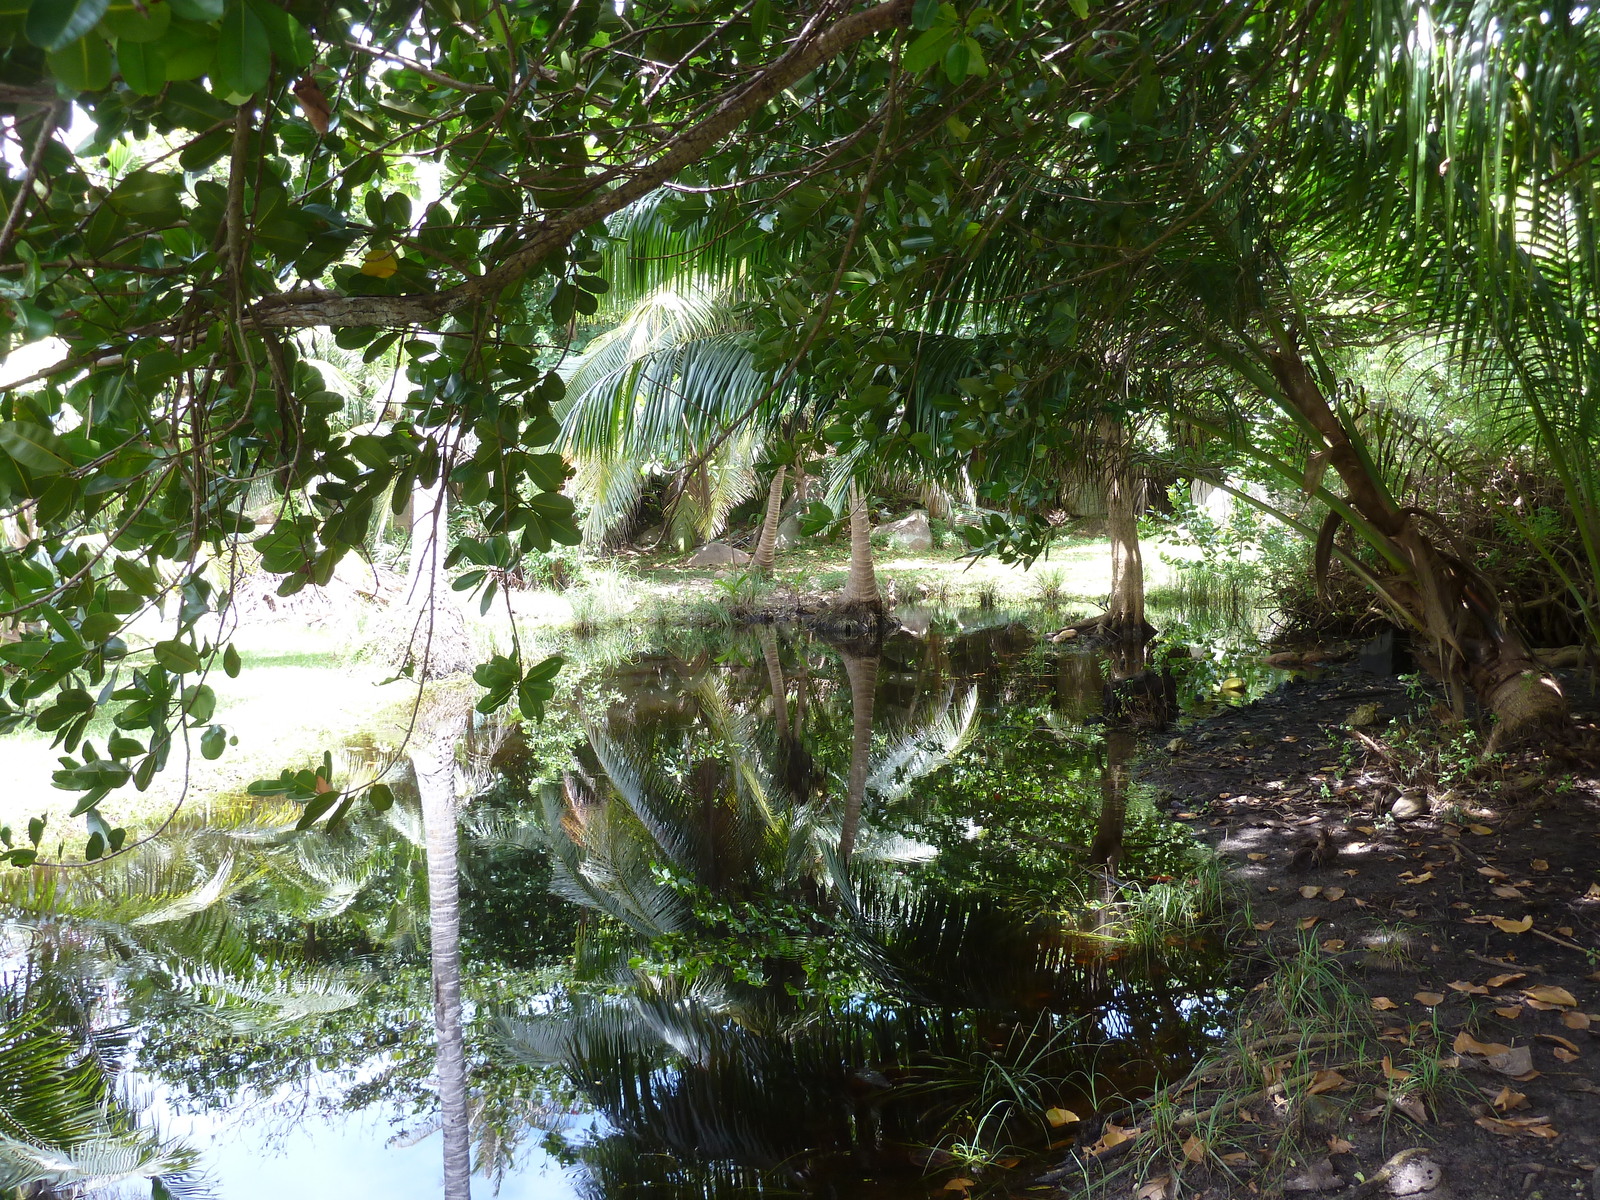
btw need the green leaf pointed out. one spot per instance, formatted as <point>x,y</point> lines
<point>955,61</point>
<point>55,24</point>
<point>197,10</point>
<point>230,662</point>
<point>1080,9</point>
<point>188,51</point>
<point>143,67</point>
<point>287,37</point>
<point>150,197</point>
<point>127,24</point>
<point>923,13</point>
<point>244,55</point>
<point>213,741</point>
<point>926,50</point>
<point>381,796</point>
<point>178,657</point>
<point>84,66</point>
<point>34,447</point>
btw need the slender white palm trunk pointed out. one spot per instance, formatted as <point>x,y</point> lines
<point>861,588</point>
<point>766,555</point>
<point>862,672</point>
<point>435,770</point>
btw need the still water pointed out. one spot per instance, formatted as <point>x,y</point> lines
<point>754,913</point>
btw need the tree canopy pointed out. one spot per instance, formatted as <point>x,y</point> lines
<point>972,231</point>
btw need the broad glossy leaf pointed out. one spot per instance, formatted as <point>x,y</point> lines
<point>285,35</point>
<point>83,66</point>
<point>188,49</point>
<point>127,24</point>
<point>197,10</point>
<point>56,24</point>
<point>143,67</point>
<point>151,197</point>
<point>34,447</point>
<point>244,55</point>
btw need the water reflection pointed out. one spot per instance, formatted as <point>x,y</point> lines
<point>761,913</point>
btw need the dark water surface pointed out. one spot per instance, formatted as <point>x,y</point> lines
<point>749,914</point>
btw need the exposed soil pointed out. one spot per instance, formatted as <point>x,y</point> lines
<point>1478,914</point>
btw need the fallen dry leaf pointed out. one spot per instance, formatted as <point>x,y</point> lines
<point>1507,925</point>
<point>1576,1020</point>
<point>1333,893</point>
<point>1510,1012</point>
<point>1593,893</point>
<point>1539,864</point>
<point>1390,1071</point>
<point>1113,1136</point>
<point>1383,1003</point>
<point>1566,1056</point>
<point>1263,926</point>
<point>1507,1100</point>
<point>1548,993</point>
<point>1503,891</point>
<point>1493,872</point>
<point>1237,1159</point>
<point>1311,891</point>
<point>1337,1145</point>
<point>1194,1149</point>
<point>1005,1164</point>
<point>1423,878</point>
<point>1155,1189</point>
<point>1465,1043</point>
<point>1306,922</point>
<point>1429,998</point>
<point>1472,989</point>
<point>1061,1116</point>
<point>1558,1040</point>
<point>1502,980</point>
<point>1480,830</point>
<point>1538,1127</point>
<point>1326,1081</point>
<point>1256,857</point>
<point>960,1184</point>
<point>1565,931</point>
<point>1333,945</point>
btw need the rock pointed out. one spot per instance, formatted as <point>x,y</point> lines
<point>1319,1176</point>
<point>1413,802</point>
<point>789,532</point>
<point>1178,746</point>
<point>1409,1173</point>
<point>910,532</point>
<point>1364,716</point>
<point>718,554</point>
<point>1063,635</point>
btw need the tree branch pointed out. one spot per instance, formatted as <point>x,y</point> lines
<point>320,307</point>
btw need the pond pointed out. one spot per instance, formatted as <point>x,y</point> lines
<point>753,912</point>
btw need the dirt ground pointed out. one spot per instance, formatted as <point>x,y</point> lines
<point>1467,926</point>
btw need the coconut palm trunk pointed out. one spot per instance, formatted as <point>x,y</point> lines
<point>861,588</point>
<point>767,545</point>
<point>862,673</point>
<point>1440,594</point>
<point>768,637</point>
<point>434,764</point>
<point>1125,614</point>
<point>1107,847</point>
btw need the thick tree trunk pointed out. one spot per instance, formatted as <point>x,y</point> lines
<point>862,673</point>
<point>1447,598</point>
<point>434,764</point>
<point>767,545</point>
<point>1125,613</point>
<point>768,637</point>
<point>861,589</point>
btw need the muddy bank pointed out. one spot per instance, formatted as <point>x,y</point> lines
<point>1460,903</point>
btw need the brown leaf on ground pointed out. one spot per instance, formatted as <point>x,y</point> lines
<point>1263,926</point>
<point>1423,878</point>
<point>1508,1099</point>
<point>1310,891</point>
<point>1503,891</point>
<point>1507,925</point>
<point>1237,1159</point>
<point>1114,1135</point>
<point>1549,993</point>
<point>1558,1040</point>
<point>1326,1081</point>
<point>1465,1043</point>
<point>1538,1127</point>
<point>1383,1003</point>
<point>1194,1149</point>
<point>1502,980</point>
<point>1480,830</point>
<point>1429,998</point>
<point>1566,1056</point>
<point>1472,989</point>
<point>1306,922</point>
<point>1493,873</point>
<point>1061,1116</point>
<point>1539,864</point>
<point>1576,1020</point>
<point>1333,893</point>
<point>1337,1145</point>
<point>1390,1071</point>
<point>1510,1012</point>
<point>1256,857</point>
